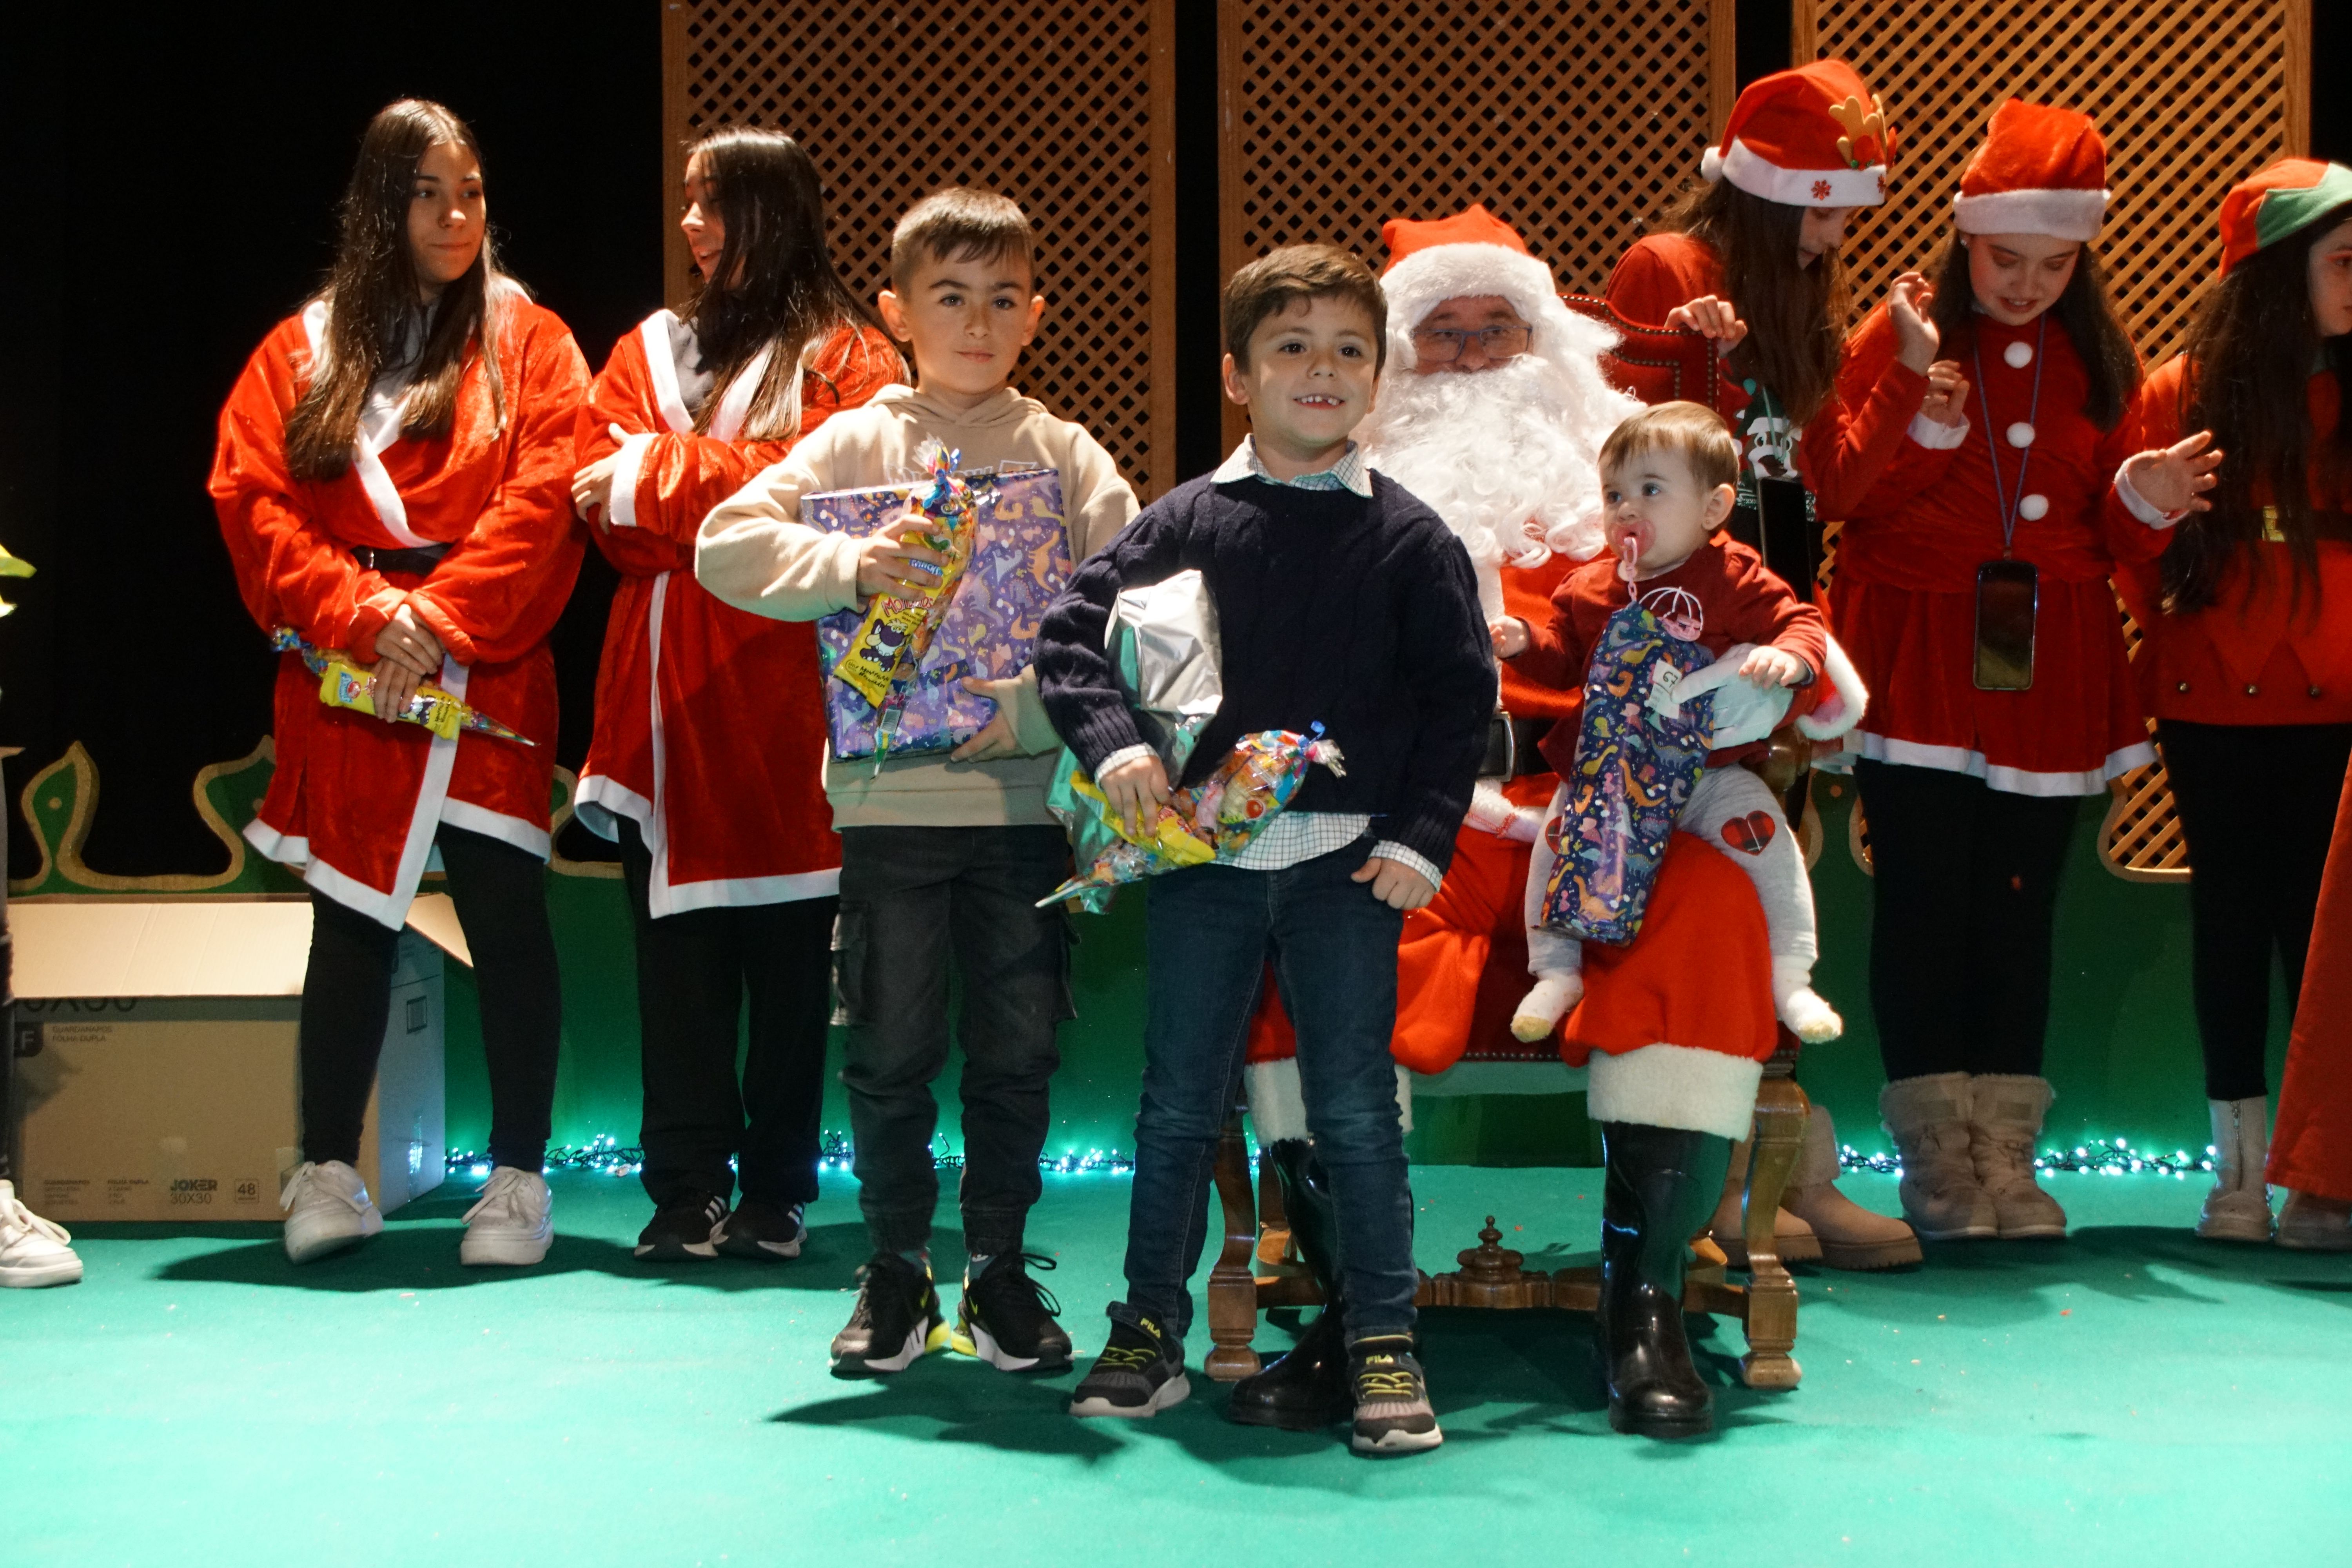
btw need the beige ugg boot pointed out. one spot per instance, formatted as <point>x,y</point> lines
<point>1927,1117</point>
<point>1792,1237</point>
<point>2239,1206</point>
<point>1851,1237</point>
<point>2004,1124</point>
<point>2309,1223</point>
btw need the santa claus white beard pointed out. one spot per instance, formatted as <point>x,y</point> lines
<point>1493,454</point>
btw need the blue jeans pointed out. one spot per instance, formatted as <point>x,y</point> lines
<point>1210,932</point>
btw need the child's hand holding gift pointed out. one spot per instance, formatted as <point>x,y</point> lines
<point>996,738</point>
<point>888,561</point>
<point>1769,666</point>
<point>1136,789</point>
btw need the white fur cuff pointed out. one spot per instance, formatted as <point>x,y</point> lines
<point>1935,435</point>
<point>1673,1086</point>
<point>1277,1105</point>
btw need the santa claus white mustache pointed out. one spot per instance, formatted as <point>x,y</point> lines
<point>1492,453</point>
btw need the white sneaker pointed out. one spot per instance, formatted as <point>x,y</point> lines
<point>327,1209</point>
<point>32,1250</point>
<point>513,1222</point>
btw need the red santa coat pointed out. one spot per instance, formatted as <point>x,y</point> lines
<point>1904,597</point>
<point>2311,1148</point>
<point>355,802</point>
<point>2261,653</point>
<point>1847,441</point>
<point>710,722</point>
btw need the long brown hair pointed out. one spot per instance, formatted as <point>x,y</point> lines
<point>2251,354</point>
<point>372,296</point>
<point>1795,314</point>
<point>774,282</point>
<point>2083,309</point>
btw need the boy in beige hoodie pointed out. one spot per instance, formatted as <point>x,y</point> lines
<point>940,856</point>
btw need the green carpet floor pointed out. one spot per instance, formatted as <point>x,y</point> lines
<point>196,1401</point>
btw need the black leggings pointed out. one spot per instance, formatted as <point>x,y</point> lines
<point>501,897</point>
<point>1964,887</point>
<point>2257,807</point>
<point>694,970</point>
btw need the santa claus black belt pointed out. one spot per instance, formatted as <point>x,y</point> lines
<point>1511,747</point>
<point>418,563</point>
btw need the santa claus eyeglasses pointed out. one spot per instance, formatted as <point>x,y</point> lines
<point>1444,345</point>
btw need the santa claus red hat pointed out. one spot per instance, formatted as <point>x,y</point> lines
<point>2042,170</point>
<point>2284,198</point>
<point>1812,137</point>
<point>1474,253</point>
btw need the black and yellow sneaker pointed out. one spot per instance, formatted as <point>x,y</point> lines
<point>896,1321</point>
<point>1138,1373</point>
<point>1393,1410</point>
<point>1007,1319</point>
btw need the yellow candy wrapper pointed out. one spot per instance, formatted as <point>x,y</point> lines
<point>343,684</point>
<point>890,642</point>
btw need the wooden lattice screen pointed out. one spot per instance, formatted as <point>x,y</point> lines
<point>1571,120</point>
<point>2191,99</point>
<point>1067,107</point>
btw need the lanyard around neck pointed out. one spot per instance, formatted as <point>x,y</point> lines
<point>2000,496</point>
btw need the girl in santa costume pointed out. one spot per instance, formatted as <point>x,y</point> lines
<point>390,481</point>
<point>2238,566</point>
<point>1748,256</point>
<point>710,722</point>
<point>1973,591</point>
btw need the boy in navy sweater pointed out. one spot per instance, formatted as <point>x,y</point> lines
<point>1341,601</point>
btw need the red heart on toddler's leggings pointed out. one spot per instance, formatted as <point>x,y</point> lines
<point>1751,833</point>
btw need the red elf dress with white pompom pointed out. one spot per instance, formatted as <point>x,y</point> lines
<point>354,801</point>
<point>709,729</point>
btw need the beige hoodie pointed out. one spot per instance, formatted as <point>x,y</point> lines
<point>756,554</point>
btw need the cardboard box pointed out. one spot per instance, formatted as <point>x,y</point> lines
<point>162,1081</point>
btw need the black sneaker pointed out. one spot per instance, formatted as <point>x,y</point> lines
<point>897,1319</point>
<point>1393,1409</point>
<point>683,1228</point>
<point>761,1230</point>
<point>1006,1318</point>
<point>1137,1374</point>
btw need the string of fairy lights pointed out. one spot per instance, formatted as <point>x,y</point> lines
<point>608,1156</point>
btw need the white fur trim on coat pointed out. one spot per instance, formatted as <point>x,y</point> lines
<point>2061,215</point>
<point>1752,173</point>
<point>1427,279</point>
<point>1277,1106</point>
<point>1841,710</point>
<point>1673,1086</point>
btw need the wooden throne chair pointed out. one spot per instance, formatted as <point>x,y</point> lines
<point>1257,1267</point>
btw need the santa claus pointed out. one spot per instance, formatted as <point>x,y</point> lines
<point>1492,408</point>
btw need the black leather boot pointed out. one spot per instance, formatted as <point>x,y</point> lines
<point>1306,1388</point>
<point>1661,1186</point>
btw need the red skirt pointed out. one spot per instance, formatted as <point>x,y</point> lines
<point>2079,725</point>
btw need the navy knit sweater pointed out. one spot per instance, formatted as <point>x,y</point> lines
<point>1360,614</point>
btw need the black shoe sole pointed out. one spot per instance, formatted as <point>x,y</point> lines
<point>1283,1420</point>
<point>1633,1425</point>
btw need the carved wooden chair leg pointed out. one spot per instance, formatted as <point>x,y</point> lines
<point>1771,1307</point>
<point>1274,1246</point>
<point>1233,1283</point>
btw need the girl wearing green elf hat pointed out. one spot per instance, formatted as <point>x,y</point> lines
<point>2236,559</point>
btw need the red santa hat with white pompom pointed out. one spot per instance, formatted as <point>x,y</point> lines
<point>2042,170</point>
<point>1812,137</point>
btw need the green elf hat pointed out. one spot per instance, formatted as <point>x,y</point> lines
<point>2285,198</point>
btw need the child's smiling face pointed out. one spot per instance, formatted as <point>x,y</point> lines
<point>1655,513</point>
<point>1309,382</point>
<point>964,321</point>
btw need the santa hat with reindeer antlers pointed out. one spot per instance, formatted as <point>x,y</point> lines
<point>1812,137</point>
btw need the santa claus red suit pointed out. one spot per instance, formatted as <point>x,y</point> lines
<point>1971,591</point>
<point>474,531</point>
<point>708,728</point>
<point>2246,611</point>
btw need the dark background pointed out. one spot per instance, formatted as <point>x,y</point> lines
<point>171,197</point>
